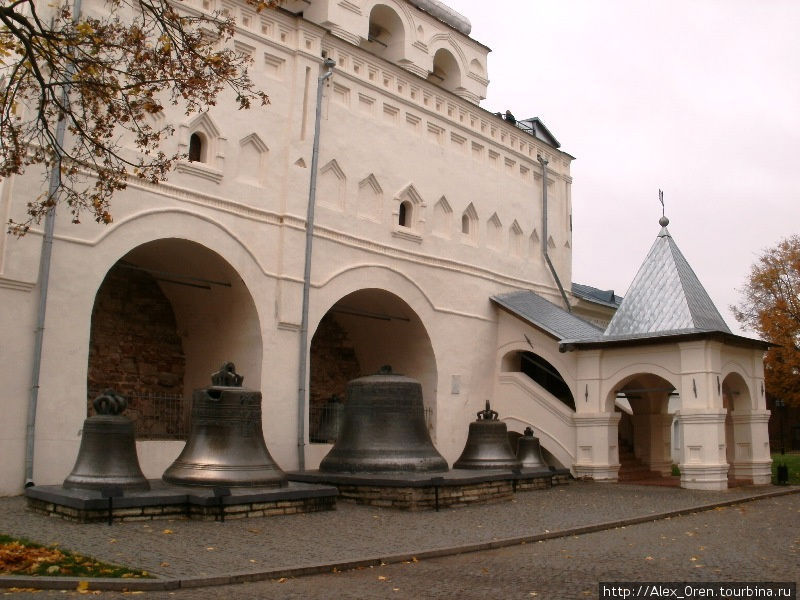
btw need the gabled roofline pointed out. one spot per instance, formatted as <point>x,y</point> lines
<point>517,315</point>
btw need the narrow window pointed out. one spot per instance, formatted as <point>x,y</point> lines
<point>404,217</point>
<point>195,148</point>
<point>465,224</point>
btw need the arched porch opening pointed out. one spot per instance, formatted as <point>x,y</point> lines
<point>738,436</point>
<point>359,334</point>
<point>648,440</point>
<point>542,372</point>
<point>166,316</point>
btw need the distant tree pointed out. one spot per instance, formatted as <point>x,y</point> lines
<point>106,72</point>
<point>770,305</point>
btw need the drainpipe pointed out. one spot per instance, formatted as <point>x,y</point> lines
<point>543,162</point>
<point>44,280</point>
<point>302,371</point>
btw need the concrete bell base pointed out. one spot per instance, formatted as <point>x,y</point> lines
<point>426,491</point>
<point>165,501</point>
<point>600,473</point>
<point>704,477</point>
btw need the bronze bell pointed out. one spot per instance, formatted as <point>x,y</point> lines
<point>107,455</point>
<point>529,451</point>
<point>487,444</point>
<point>383,428</point>
<point>226,445</point>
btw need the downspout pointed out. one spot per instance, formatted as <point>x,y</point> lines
<point>543,162</point>
<point>44,279</point>
<point>302,370</point>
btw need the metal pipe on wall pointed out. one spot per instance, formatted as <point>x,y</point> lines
<point>543,162</point>
<point>302,371</point>
<point>44,281</point>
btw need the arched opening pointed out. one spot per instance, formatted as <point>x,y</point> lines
<point>197,147</point>
<point>649,441</point>
<point>166,316</point>
<point>542,372</point>
<point>405,214</point>
<point>465,224</point>
<point>738,437</point>
<point>445,71</point>
<point>362,332</point>
<point>386,37</point>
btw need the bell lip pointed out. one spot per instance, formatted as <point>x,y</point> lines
<point>273,482</point>
<point>475,464</point>
<point>225,388</point>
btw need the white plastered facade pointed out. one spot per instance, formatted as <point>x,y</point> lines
<point>391,134</point>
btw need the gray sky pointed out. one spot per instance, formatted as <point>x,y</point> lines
<point>699,98</point>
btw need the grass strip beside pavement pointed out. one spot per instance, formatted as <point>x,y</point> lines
<point>19,556</point>
<point>792,461</point>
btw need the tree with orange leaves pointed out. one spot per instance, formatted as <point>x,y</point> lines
<point>101,76</point>
<point>770,305</point>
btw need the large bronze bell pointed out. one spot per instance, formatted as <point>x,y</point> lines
<point>107,456</point>
<point>529,451</point>
<point>487,444</point>
<point>226,445</point>
<point>383,428</point>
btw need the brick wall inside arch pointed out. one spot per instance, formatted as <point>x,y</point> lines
<point>135,349</point>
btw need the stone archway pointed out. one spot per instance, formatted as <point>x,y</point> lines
<point>647,405</point>
<point>167,314</point>
<point>739,451</point>
<point>359,334</point>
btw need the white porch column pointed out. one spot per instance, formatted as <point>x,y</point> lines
<point>703,465</point>
<point>658,429</point>
<point>597,454</point>
<point>751,455</point>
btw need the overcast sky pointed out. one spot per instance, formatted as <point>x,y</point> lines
<point>699,98</point>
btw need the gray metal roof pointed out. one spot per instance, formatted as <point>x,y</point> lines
<point>665,296</point>
<point>546,316</point>
<point>596,295</point>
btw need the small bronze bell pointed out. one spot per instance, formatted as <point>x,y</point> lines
<point>487,444</point>
<point>383,428</point>
<point>529,451</point>
<point>226,445</point>
<point>107,455</point>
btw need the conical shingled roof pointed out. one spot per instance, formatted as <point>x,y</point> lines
<point>665,296</point>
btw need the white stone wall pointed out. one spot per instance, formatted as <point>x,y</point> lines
<point>388,135</point>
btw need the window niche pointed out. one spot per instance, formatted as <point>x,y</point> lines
<point>204,148</point>
<point>408,216</point>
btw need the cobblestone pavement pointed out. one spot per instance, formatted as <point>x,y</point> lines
<point>755,541</point>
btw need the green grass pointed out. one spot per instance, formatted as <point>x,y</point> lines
<point>790,460</point>
<point>19,556</point>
